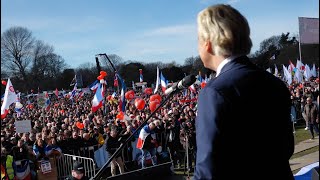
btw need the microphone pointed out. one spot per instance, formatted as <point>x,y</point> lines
<point>184,83</point>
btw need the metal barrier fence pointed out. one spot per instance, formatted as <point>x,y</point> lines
<point>85,151</point>
<point>85,155</point>
<point>64,165</point>
<point>128,153</point>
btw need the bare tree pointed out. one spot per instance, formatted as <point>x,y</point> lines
<point>115,59</point>
<point>16,47</point>
<point>153,66</point>
<point>189,61</point>
<point>270,44</point>
<point>88,73</point>
<point>56,64</point>
<point>40,54</point>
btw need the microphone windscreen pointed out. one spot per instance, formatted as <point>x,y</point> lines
<point>189,80</point>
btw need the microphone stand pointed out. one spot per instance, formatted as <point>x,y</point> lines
<point>100,172</point>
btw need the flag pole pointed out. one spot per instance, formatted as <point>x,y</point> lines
<point>300,56</point>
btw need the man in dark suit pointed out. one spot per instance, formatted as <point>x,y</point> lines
<point>243,125</point>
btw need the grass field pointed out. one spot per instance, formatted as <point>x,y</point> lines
<point>301,134</point>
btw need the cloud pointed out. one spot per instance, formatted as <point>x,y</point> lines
<point>233,1</point>
<point>175,42</point>
<point>172,30</point>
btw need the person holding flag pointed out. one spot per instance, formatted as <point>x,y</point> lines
<point>9,97</point>
<point>147,143</point>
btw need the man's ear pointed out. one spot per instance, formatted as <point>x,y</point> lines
<point>208,45</point>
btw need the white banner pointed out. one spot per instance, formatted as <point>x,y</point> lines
<point>23,126</point>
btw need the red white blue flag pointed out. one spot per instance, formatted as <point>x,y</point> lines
<point>97,98</point>
<point>47,102</point>
<point>141,76</point>
<point>122,103</point>
<point>163,82</point>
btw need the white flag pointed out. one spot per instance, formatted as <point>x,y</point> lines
<point>307,72</point>
<point>10,97</point>
<point>133,86</point>
<point>314,71</point>
<point>287,75</point>
<point>157,81</point>
<point>298,76</point>
<point>299,65</point>
<point>275,70</point>
<point>268,70</point>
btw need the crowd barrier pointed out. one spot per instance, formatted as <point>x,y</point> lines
<point>65,163</point>
<point>129,153</point>
<point>94,157</point>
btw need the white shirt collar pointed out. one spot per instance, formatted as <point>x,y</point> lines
<point>224,62</point>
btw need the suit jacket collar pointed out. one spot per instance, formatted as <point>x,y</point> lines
<point>238,60</point>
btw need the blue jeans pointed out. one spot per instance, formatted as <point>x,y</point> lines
<point>315,127</point>
<point>153,156</point>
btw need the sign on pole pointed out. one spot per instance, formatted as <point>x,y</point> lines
<point>309,30</point>
<point>41,100</point>
<point>141,83</point>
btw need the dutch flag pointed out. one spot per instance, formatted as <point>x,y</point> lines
<point>93,87</point>
<point>122,103</point>
<point>192,88</point>
<point>47,103</point>
<point>80,94</point>
<point>73,92</point>
<point>97,98</point>
<point>141,76</point>
<point>144,133</point>
<point>163,82</point>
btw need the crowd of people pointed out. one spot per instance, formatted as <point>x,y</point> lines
<point>305,104</point>
<point>55,130</point>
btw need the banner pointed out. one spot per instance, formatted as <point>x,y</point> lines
<point>101,156</point>
<point>309,30</point>
<point>23,126</point>
<point>41,99</point>
<point>189,100</point>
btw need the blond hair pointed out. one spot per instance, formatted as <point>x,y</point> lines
<point>226,29</point>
